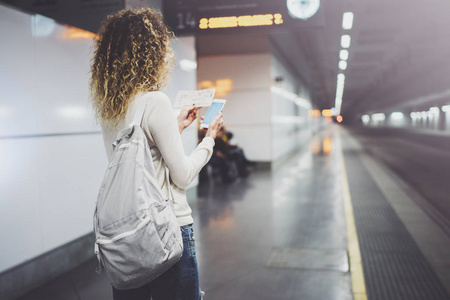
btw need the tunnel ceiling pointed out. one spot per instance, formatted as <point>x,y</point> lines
<point>399,54</point>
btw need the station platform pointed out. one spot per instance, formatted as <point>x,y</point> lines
<point>330,223</point>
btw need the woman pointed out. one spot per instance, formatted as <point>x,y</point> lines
<point>131,62</point>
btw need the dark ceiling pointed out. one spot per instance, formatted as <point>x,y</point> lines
<point>399,58</point>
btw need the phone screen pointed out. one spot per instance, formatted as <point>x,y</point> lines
<point>213,110</point>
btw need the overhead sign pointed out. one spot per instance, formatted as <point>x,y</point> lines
<point>241,21</point>
<point>193,17</point>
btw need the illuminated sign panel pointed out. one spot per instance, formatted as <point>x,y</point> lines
<point>241,21</point>
<point>193,17</point>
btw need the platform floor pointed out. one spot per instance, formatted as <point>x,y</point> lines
<point>285,234</point>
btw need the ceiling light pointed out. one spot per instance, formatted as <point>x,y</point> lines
<point>339,92</point>
<point>337,105</point>
<point>345,41</point>
<point>342,65</point>
<point>343,54</point>
<point>434,110</point>
<point>365,119</point>
<point>378,117</point>
<point>188,65</point>
<point>327,113</point>
<point>347,21</point>
<point>397,115</point>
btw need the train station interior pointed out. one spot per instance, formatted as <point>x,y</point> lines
<point>339,111</point>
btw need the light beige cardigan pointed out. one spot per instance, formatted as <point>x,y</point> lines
<point>161,128</point>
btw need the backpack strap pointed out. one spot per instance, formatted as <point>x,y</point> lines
<point>171,198</point>
<point>139,115</point>
<point>137,120</point>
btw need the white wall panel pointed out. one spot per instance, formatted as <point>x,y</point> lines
<point>69,189</point>
<point>52,157</point>
<point>247,112</point>
<point>248,108</point>
<point>20,229</point>
<point>253,140</point>
<point>290,122</point>
<point>246,71</point>
<point>48,188</point>
<point>44,76</point>
<point>16,71</point>
<point>62,76</point>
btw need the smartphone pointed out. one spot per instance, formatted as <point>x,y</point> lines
<point>216,107</point>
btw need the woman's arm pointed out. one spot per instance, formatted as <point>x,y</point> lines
<point>186,117</point>
<point>164,128</point>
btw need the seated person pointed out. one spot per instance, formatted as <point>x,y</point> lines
<point>224,155</point>
<point>236,153</point>
<point>220,159</point>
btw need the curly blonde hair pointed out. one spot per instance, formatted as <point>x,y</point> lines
<point>132,54</point>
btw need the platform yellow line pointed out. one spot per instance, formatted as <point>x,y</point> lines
<point>356,268</point>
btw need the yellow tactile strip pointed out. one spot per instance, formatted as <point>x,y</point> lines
<point>356,268</point>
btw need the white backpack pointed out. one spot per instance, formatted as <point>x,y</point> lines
<point>137,235</point>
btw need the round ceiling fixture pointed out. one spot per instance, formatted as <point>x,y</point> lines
<point>303,9</point>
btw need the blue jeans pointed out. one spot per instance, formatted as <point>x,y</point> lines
<point>180,282</point>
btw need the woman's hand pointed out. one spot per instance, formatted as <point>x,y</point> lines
<point>186,117</point>
<point>215,126</point>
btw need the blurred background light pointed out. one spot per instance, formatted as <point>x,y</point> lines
<point>343,54</point>
<point>188,65</point>
<point>347,21</point>
<point>378,117</point>
<point>424,114</point>
<point>345,41</point>
<point>434,110</point>
<point>71,32</point>
<point>365,119</point>
<point>327,113</point>
<point>314,113</point>
<point>42,26</point>
<point>397,115</point>
<point>342,65</point>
